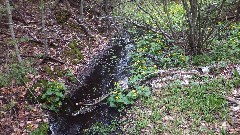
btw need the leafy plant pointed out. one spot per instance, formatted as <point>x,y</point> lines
<point>153,49</point>
<point>41,130</point>
<point>122,97</point>
<point>53,96</point>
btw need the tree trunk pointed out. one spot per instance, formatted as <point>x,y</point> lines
<point>12,31</point>
<point>81,10</point>
<point>44,29</point>
<point>192,14</point>
<point>238,10</point>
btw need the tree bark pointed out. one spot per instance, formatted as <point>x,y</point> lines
<point>192,14</point>
<point>81,10</point>
<point>12,31</point>
<point>238,10</point>
<point>44,29</point>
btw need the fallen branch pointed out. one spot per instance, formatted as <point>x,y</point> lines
<point>53,59</point>
<point>48,58</point>
<point>97,101</point>
<point>169,72</point>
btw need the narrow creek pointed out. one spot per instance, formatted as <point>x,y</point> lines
<point>112,67</point>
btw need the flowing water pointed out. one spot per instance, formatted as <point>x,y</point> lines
<point>112,67</point>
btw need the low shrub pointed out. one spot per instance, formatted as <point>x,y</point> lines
<point>53,96</point>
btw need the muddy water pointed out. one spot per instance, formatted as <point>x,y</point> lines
<point>112,67</point>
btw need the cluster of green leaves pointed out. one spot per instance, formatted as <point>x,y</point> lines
<point>53,96</point>
<point>70,76</point>
<point>57,72</point>
<point>226,49</point>
<point>153,49</point>
<point>15,73</point>
<point>122,97</point>
<point>41,130</point>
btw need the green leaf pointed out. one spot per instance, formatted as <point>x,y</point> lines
<point>126,101</point>
<point>49,92</point>
<point>112,104</point>
<point>59,94</point>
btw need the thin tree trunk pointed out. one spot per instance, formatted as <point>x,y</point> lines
<point>12,31</point>
<point>81,10</point>
<point>238,10</point>
<point>44,29</point>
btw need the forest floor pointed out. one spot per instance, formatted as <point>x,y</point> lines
<point>69,47</point>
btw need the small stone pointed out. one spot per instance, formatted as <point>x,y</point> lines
<point>149,112</point>
<point>149,125</point>
<point>238,69</point>
<point>185,82</point>
<point>224,125</point>
<point>21,124</point>
<point>234,92</point>
<point>236,108</point>
<point>187,76</point>
<point>205,69</point>
<point>194,71</point>
<point>39,120</point>
<point>166,118</point>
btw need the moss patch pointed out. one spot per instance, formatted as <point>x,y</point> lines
<point>73,53</point>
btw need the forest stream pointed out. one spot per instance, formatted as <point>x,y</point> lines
<point>112,67</point>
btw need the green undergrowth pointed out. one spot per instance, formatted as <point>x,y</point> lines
<point>194,109</point>
<point>155,8</point>
<point>102,129</point>
<point>52,94</point>
<point>56,71</point>
<point>62,16</point>
<point>226,49</point>
<point>16,74</point>
<point>199,108</point>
